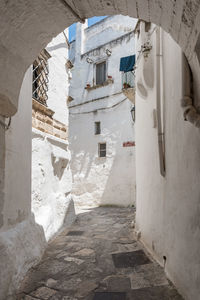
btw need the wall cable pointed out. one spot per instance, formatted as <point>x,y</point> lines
<point>103,108</point>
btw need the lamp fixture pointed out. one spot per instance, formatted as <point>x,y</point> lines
<point>89,60</point>
<point>133,113</point>
<point>108,52</point>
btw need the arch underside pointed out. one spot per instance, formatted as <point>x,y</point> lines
<point>27,27</point>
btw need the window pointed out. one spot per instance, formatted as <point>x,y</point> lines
<point>40,77</point>
<point>97,127</point>
<point>102,149</point>
<point>101,72</point>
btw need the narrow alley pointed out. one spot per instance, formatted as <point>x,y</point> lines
<point>98,258</point>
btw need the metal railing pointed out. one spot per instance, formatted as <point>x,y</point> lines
<point>128,80</point>
<point>40,80</point>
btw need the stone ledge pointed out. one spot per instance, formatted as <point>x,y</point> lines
<point>107,82</point>
<point>42,119</point>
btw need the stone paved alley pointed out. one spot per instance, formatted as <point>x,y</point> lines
<point>98,258</point>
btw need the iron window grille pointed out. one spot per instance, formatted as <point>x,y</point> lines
<point>102,149</point>
<point>40,77</point>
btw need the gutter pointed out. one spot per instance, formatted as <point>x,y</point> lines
<point>159,98</point>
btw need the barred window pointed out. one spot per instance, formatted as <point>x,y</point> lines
<point>40,77</point>
<point>102,149</point>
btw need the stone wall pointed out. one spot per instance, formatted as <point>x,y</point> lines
<point>52,203</point>
<point>167,207</point>
<point>98,180</point>
<point>24,35</point>
<point>43,120</point>
<point>22,240</point>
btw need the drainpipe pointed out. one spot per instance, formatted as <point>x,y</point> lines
<point>190,112</point>
<point>161,148</point>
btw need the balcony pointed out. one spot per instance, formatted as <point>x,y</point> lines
<point>128,85</point>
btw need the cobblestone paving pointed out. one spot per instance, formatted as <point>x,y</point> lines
<point>98,259</point>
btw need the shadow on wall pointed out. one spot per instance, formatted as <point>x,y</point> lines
<point>2,172</point>
<point>21,248</point>
<point>102,181</point>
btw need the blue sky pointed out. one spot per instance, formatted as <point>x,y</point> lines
<point>91,21</point>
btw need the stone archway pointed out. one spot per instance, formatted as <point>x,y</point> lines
<point>26,27</point>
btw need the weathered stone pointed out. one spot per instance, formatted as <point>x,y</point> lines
<point>64,275</point>
<point>130,259</point>
<point>44,293</point>
<point>109,296</point>
<point>154,293</point>
<point>148,275</point>
<point>75,260</point>
<point>51,282</point>
<point>85,252</point>
<point>69,285</point>
<point>117,283</point>
<point>86,287</point>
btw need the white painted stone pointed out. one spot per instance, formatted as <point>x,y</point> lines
<point>22,240</point>
<point>27,26</point>
<point>24,35</point>
<point>167,214</point>
<point>58,77</point>
<point>110,180</point>
<point>52,203</point>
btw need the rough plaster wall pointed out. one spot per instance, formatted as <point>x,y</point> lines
<point>168,208</point>
<point>83,72</point>
<point>2,171</point>
<point>51,175</point>
<point>108,29</point>
<point>22,240</point>
<point>103,181</point>
<point>58,77</point>
<point>110,180</point>
<point>26,28</point>
<point>18,160</point>
<point>51,183</point>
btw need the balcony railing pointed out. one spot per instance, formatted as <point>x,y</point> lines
<point>128,85</point>
<point>128,80</point>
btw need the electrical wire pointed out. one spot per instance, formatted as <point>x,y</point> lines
<point>95,110</point>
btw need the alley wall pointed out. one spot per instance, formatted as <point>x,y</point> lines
<point>98,180</point>
<point>168,207</point>
<point>52,203</point>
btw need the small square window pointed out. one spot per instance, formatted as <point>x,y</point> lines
<point>97,127</point>
<point>102,149</point>
<point>101,72</point>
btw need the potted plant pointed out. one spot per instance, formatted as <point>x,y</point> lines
<point>126,85</point>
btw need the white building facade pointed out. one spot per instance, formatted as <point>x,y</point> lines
<point>101,132</point>
<point>38,156</point>
<point>52,204</point>
<point>167,164</point>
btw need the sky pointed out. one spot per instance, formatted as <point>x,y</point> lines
<point>91,21</point>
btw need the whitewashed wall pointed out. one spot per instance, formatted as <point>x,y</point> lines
<point>22,240</point>
<point>58,78</point>
<point>110,180</point>
<point>168,208</point>
<point>99,180</point>
<point>52,204</point>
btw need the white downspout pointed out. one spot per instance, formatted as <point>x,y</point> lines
<point>161,148</point>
